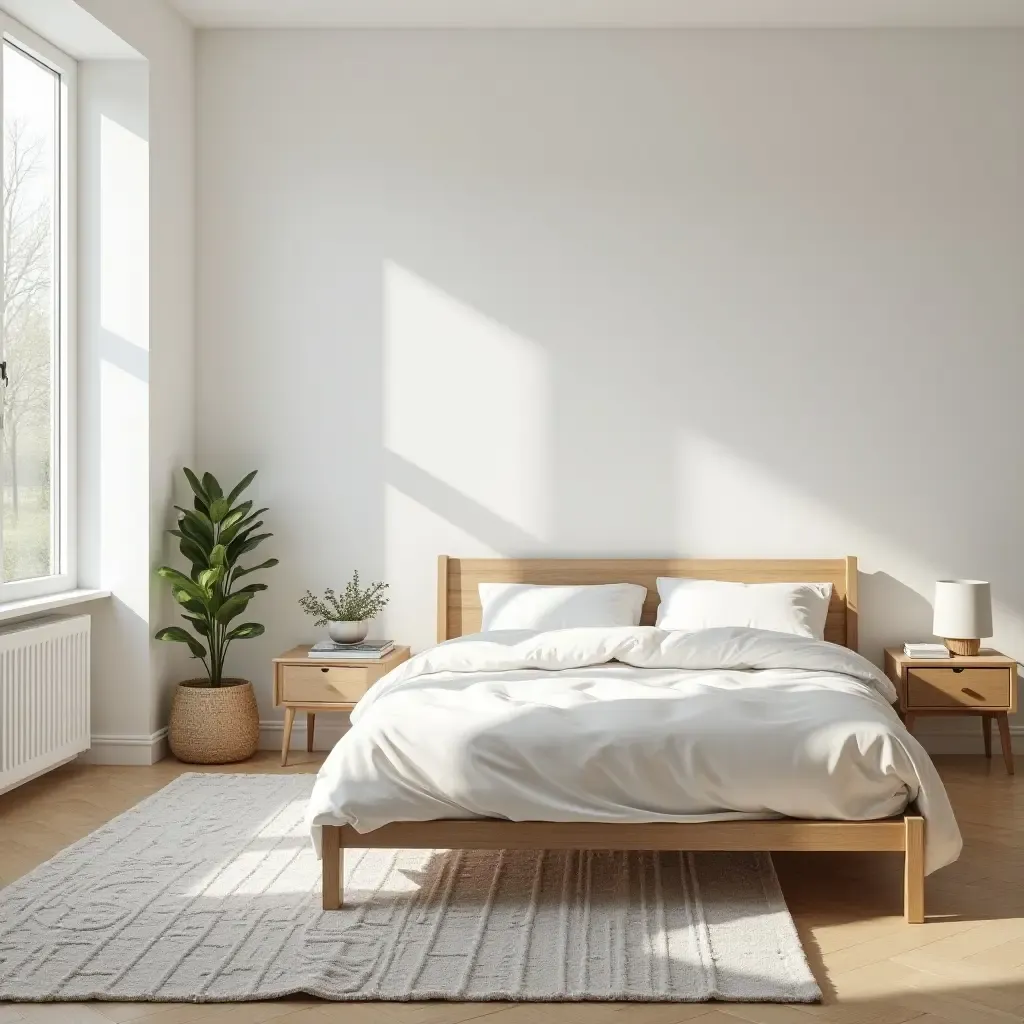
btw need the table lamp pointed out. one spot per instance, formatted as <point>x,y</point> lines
<point>963,614</point>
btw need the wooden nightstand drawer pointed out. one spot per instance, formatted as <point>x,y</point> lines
<point>324,684</point>
<point>949,688</point>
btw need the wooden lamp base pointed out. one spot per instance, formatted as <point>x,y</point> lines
<point>963,648</point>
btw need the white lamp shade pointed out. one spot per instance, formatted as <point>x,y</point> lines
<point>963,609</point>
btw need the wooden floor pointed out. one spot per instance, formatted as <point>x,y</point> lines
<point>966,965</point>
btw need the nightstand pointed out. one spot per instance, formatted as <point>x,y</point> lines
<point>323,684</point>
<point>984,685</point>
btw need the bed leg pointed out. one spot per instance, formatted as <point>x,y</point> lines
<point>333,867</point>
<point>913,873</point>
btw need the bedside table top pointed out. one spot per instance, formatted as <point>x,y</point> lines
<point>299,656</point>
<point>988,658</point>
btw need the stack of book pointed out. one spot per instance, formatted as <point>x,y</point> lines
<point>926,650</point>
<point>350,652</point>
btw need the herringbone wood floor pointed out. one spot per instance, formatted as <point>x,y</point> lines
<point>966,965</point>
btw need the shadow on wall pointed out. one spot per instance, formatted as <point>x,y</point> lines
<point>707,294</point>
<point>891,612</point>
<point>451,505</point>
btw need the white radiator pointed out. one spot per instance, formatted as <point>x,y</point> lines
<point>44,696</point>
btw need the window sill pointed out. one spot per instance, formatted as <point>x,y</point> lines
<point>12,610</point>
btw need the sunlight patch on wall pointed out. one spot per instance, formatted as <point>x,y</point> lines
<point>124,233</point>
<point>124,482</point>
<point>466,418</point>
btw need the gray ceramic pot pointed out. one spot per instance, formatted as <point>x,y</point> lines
<point>349,632</point>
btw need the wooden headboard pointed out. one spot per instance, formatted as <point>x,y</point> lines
<point>458,600</point>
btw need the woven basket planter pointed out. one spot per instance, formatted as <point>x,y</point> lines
<point>214,725</point>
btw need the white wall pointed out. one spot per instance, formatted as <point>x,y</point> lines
<point>695,293</point>
<point>113,387</point>
<point>170,48</point>
<point>136,366</point>
<point>137,337</point>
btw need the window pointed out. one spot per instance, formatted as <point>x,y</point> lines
<point>36,470</point>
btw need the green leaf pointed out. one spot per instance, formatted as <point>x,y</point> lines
<point>197,526</point>
<point>191,604</point>
<point>193,552</point>
<point>246,631</point>
<point>229,534</point>
<point>173,633</point>
<point>241,486</point>
<point>236,542</point>
<point>209,578</point>
<point>233,606</point>
<point>246,528</point>
<point>218,556</point>
<point>251,588</point>
<point>252,542</point>
<point>247,522</point>
<point>180,581</point>
<point>179,636</point>
<point>197,487</point>
<point>179,535</point>
<point>211,487</point>
<point>245,541</point>
<point>201,626</point>
<point>268,564</point>
<point>219,509</point>
<point>233,518</point>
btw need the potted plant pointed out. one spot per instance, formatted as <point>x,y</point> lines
<point>347,617</point>
<point>214,720</point>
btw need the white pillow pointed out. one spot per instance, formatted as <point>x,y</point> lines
<point>798,608</point>
<point>526,606</point>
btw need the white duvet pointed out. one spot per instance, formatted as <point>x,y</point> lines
<point>631,724</point>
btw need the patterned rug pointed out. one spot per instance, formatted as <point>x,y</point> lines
<point>209,891</point>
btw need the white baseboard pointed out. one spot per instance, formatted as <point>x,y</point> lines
<point>127,750</point>
<point>327,731</point>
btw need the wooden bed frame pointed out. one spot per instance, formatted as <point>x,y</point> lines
<point>458,613</point>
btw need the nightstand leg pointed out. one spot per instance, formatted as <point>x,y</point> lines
<point>310,720</point>
<point>1004,740</point>
<point>908,721</point>
<point>289,718</point>
<point>986,732</point>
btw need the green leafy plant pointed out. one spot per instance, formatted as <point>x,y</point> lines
<point>213,536</point>
<point>353,605</point>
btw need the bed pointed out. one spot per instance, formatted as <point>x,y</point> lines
<point>339,823</point>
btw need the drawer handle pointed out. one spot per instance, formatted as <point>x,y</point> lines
<point>972,693</point>
<point>325,670</point>
<point>957,671</point>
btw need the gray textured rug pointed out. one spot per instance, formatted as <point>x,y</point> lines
<point>209,891</point>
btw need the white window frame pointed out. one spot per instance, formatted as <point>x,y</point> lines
<point>64,454</point>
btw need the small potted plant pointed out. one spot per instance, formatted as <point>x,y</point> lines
<point>346,616</point>
<point>214,720</point>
